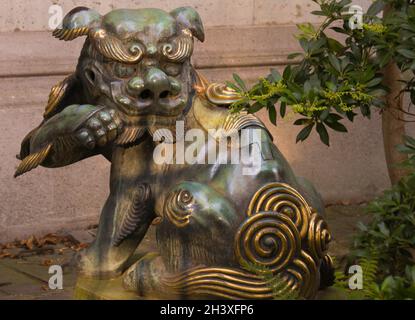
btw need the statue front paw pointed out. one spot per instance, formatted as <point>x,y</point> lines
<point>100,129</point>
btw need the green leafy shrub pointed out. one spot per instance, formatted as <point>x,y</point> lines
<point>391,234</point>
<point>376,287</point>
<point>389,239</point>
<point>331,80</point>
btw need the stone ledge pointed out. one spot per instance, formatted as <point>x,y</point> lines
<point>38,54</point>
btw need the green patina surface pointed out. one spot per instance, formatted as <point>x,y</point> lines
<point>156,22</point>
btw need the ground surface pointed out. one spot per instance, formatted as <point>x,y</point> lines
<point>25,276</point>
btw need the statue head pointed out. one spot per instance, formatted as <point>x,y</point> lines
<point>136,61</point>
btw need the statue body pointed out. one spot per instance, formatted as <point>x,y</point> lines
<point>133,99</point>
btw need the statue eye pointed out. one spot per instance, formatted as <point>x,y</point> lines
<point>123,70</point>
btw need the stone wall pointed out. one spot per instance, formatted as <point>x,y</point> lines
<point>243,36</point>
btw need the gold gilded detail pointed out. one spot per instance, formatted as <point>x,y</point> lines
<point>182,49</point>
<point>70,34</point>
<point>130,135</point>
<point>305,274</point>
<point>318,236</point>
<point>113,48</point>
<point>56,95</point>
<point>201,84</point>
<point>284,199</point>
<point>179,207</point>
<point>221,94</point>
<point>219,282</point>
<point>269,239</point>
<point>32,161</point>
<point>236,122</point>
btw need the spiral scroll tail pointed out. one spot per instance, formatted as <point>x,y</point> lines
<point>284,235</point>
<point>268,239</point>
<point>327,276</point>
<point>222,283</point>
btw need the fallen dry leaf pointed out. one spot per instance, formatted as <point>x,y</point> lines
<point>5,254</point>
<point>41,245</point>
<point>47,262</point>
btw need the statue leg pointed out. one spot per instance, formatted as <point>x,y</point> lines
<point>123,224</point>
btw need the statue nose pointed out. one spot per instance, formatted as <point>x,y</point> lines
<point>156,85</point>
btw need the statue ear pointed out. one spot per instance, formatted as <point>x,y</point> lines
<point>188,18</point>
<point>76,23</point>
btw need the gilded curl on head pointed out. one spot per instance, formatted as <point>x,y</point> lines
<point>114,49</point>
<point>108,45</point>
<point>182,48</point>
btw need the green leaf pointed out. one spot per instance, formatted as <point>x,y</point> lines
<point>334,45</point>
<point>287,72</point>
<point>334,62</point>
<point>272,113</point>
<point>324,114</point>
<point>294,55</point>
<point>276,76</point>
<point>302,121</point>
<point>240,82</point>
<point>304,133</point>
<point>374,82</point>
<point>255,107</point>
<point>378,92</point>
<point>409,140</point>
<point>336,126</point>
<point>385,59</point>
<point>307,87</point>
<point>318,13</point>
<point>283,109</point>
<point>304,44</point>
<point>362,226</point>
<point>334,117</point>
<point>232,86</point>
<point>375,8</point>
<point>324,135</point>
<point>350,115</point>
<point>405,149</point>
<point>339,30</point>
<point>383,229</point>
<point>407,53</point>
<point>365,110</point>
